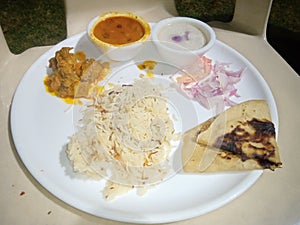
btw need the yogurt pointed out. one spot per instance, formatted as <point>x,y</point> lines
<point>182,36</point>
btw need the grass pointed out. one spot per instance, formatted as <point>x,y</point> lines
<point>29,23</point>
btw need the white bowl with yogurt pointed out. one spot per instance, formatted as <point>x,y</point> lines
<point>181,40</point>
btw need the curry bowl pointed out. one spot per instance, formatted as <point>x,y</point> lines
<point>119,35</point>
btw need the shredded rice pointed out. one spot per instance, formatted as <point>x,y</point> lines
<point>125,136</point>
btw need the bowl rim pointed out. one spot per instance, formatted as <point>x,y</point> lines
<point>200,24</point>
<point>93,22</point>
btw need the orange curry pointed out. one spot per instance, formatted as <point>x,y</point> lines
<point>119,30</point>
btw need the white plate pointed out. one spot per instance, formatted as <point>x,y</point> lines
<point>41,125</point>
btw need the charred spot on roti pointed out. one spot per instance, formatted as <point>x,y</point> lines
<point>252,144</point>
<point>266,128</point>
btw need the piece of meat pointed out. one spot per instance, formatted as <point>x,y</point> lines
<point>72,74</point>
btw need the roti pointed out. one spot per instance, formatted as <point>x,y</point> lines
<point>241,138</point>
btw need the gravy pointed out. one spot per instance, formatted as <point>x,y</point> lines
<point>119,30</point>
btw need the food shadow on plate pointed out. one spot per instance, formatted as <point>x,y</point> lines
<point>148,52</point>
<point>67,165</point>
<point>86,46</point>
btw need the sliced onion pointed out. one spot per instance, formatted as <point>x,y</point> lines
<point>210,84</point>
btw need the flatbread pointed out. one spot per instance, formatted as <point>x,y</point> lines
<point>240,138</point>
